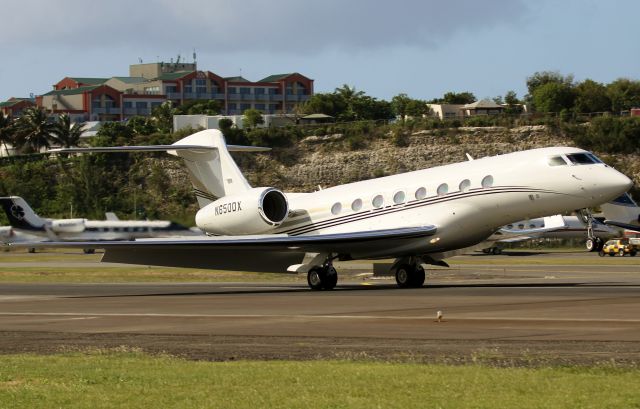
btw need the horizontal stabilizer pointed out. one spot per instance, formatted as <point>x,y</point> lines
<point>626,226</point>
<point>158,148</point>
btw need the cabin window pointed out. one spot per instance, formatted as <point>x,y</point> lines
<point>377,201</point>
<point>532,226</point>
<point>421,193</point>
<point>443,189</point>
<point>336,208</point>
<point>487,181</point>
<point>465,185</point>
<point>556,161</point>
<point>521,226</point>
<point>510,226</point>
<point>398,197</point>
<point>356,205</point>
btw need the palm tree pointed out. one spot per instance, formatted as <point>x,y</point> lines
<point>34,130</point>
<point>65,133</point>
<point>7,129</point>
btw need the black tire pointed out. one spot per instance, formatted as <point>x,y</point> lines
<point>496,251</point>
<point>418,277</point>
<point>591,245</point>
<point>612,254</point>
<point>330,278</point>
<point>633,254</point>
<point>404,274</point>
<point>315,278</point>
<point>599,244</point>
<point>32,250</point>
<point>88,251</point>
<point>322,278</point>
<point>621,253</point>
<point>601,253</point>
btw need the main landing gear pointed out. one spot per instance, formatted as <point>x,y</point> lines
<point>409,272</point>
<point>323,277</point>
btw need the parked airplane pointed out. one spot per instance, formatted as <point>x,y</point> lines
<point>25,221</point>
<point>416,217</point>
<point>592,229</point>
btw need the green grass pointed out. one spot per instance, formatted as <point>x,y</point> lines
<point>143,274</point>
<point>133,380</point>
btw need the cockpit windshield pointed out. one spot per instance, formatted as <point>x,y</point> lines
<point>583,158</point>
<point>557,161</point>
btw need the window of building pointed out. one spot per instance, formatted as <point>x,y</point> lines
<point>464,185</point>
<point>171,89</point>
<point>155,104</point>
<point>142,104</point>
<point>261,107</point>
<point>259,91</point>
<point>233,105</point>
<point>443,189</point>
<point>201,82</point>
<point>421,193</point>
<point>244,107</point>
<point>487,181</point>
<point>272,91</point>
<point>398,197</point>
<point>233,90</point>
<point>188,89</point>
<point>245,90</point>
<point>336,208</point>
<point>377,201</point>
<point>356,205</point>
<point>127,104</point>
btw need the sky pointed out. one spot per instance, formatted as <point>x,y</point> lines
<point>423,48</point>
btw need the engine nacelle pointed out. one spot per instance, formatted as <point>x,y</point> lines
<point>256,211</point>
<point>67,226</point>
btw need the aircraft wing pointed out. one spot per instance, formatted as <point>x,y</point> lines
<point>626,226</point>
<point>268,253</point>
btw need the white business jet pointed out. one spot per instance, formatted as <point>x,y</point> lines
<point>26,223</point>
<point>416,217</point>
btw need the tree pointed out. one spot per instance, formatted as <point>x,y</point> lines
<point>7,130</point>
<point>513,103</point>
<point>591,96</point>
<point>541,78</point>
<point>400,105</point>
<point>455,98</point>
<point>142,125</point>
<point>553,97</point>
<point>325,103</point>
<point>624,94</point>
<point>198,107</point>
<point>252,118</point>
<point>34,130</point>
<point>163,116</point>
<point>65,133</point>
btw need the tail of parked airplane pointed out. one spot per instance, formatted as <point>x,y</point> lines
<point>623,209</point>
<point>20,214</point>
<point>212,170</point>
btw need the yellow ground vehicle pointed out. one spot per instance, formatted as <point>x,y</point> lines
<point>621,247</point>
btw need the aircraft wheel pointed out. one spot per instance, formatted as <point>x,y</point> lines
<point>88,251</point>
<point>496,251</point>
<point>32,250</point>
<point>601,253</point>
<point>418,277</point>
<point>322,278</point>
<point>486,251</point>
<point>591,245</point>
<point>403,276</point>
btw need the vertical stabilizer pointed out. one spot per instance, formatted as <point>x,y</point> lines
<point>623,209</point>
<point>213,173</point>
<point>20,214</point>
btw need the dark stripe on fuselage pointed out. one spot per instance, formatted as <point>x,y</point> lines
<point>336,221</point>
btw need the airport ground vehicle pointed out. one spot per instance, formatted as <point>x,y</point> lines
<point>621,247</point>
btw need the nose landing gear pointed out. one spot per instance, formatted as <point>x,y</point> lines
<point>593,243</point>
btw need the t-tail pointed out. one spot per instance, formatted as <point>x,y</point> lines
<point>21,215</point>
<point>213,172</point>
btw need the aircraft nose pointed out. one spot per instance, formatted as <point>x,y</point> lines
<point>619,182</point>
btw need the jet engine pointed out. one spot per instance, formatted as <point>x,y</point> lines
<point>67,226</point>
<point>255,211</point>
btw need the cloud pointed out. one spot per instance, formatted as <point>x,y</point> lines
<point>222,26</point>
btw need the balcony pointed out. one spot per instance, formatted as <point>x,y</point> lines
<point>110,111</point>
<point>297,98</point>
<point>137,111</point>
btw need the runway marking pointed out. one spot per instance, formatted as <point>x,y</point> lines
<point>450,318</point>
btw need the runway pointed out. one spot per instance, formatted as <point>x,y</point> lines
<point>555,312</point>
